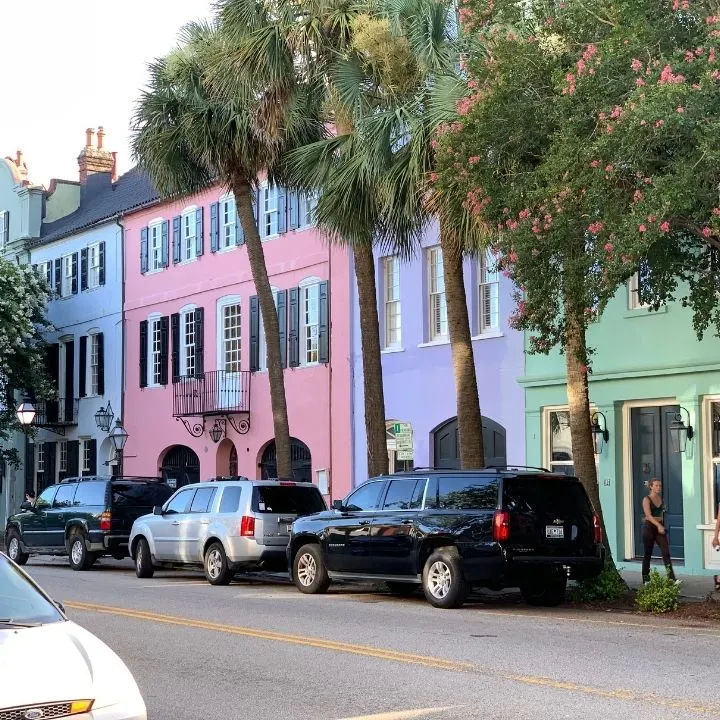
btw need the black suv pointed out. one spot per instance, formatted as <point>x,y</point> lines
<point>451,530</point>
<point>83,518</point>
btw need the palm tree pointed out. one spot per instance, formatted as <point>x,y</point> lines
<point>187,134</point>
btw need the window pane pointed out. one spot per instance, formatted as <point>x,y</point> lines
<point>90,493</point>
<point>532,495</point>
<point>65,495</point>
<point>146,495</point>
<point>468,493</point>
<point>294,500</point>
<point>564,469</point>
<point>46,497</point>
<point>180,502</point>
<point>202,500</point>
<point>230,501</point>
<point>715,415</point>
<point>560,441</point>
<point>365,497</point>
<point>400,494</point>
<point>231,337</point>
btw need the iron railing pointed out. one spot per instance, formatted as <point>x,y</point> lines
<point>53,413</point>
<point>213,393</point>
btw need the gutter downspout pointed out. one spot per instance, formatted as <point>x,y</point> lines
<point>351,311</point>
<point>330,373</point>
<point>122,322</point>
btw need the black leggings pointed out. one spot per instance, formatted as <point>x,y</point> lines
<point>650,536</point>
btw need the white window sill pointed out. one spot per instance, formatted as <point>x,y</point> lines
<point>266,238</point>
<point>390,350</point>
<point>645,312</point>
<point>92,289</point>
<point>308,365</point>
<point>229,248</point>
<point>155,271</point>
<point>153,387</point>
<point>435,343</point>
<point>188,261</point>
<point>487,335</point>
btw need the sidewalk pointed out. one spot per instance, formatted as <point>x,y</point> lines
<point>693,588</point>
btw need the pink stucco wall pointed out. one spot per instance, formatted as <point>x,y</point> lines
<point>318,397</point>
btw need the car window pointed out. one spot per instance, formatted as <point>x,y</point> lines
<point>46,497</point>
<point>20,600</point>
<point>230,501</point>
<point>404,494</point>
<point>365,497</point>
<point>293,499</point>
<point>179,503</point>
<point>541,495</point>
<point>90,494</point>
<point>138,494</point>
<point>65,495</point>
<point>468,492</point>
<point>202,500</point>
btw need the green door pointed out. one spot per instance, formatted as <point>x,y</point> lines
<point>59,514</point>
<point>33,521</point>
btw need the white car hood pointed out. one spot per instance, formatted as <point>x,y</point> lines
<point>60,662</point>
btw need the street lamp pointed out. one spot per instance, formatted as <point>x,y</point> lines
<point>104,417</point>
<point>600,432</point>
<point>216,432</point>
<point>680,433</point>
<point>25,413</point>
<point>119,437</point>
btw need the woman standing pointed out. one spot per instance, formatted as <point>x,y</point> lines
<point>654,530</point>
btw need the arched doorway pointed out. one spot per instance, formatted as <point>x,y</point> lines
<point>226,460</point>
<point>301,461</point>
<point>447,449</point>
<point>180,466</point>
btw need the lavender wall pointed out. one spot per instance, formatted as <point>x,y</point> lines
<point>418,379</point>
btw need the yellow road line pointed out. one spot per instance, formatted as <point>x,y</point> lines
<point>689,705</point>
<point>404,714</point>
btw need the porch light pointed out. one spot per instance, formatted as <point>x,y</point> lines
<point>680,433</point>
<point>599,430</point>
<point>119,436</point>
<point>216,432</point>
<point>104,417</point>
<point>25,413</point>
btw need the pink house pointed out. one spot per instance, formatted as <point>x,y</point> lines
<point>196,396</point>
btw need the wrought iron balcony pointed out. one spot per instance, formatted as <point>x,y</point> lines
<point>214,393</point>
<point>56,413</point>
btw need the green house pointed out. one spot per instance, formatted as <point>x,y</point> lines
<point>656,390</point>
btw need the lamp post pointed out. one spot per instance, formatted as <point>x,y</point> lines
<point>119,437</point>
<point>25,414</point>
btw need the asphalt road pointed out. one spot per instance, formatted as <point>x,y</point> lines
<point>258,650</point>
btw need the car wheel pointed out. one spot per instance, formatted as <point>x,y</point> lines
<point>14,549</point>
<point>442,579</point>
<point>217,571</point>
<point>544,593</point>
<point>309,571</point>
<point>80,558</point>
<point>143,562</point>
<point>401,588</point>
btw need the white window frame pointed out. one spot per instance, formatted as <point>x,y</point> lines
<point>436,298</point>
<point>39,458</point>
<point>4,220</point>
<point>713,461</point>
<point>93,266</point>
<point>66,275</point>
<point>634,294</point>
<point>306,210</point>
<point>85,455</point>
<point>155,229</point>
<point>305,331</point>
<point>262,343</point>
<point>269,211</point>
<point>188,234</point>
<point>62,456</point>
<point>222,342</point>
<point>392,310</point>
<point>92,374</point>
<point>227,222</point>
<point>547,460</point>
<point>154,356</point>
<point>488,288</point>
<point>186,313</point>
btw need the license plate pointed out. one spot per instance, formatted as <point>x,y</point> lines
<point>553,531</point>
<point>288,528</point>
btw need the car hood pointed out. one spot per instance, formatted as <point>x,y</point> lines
<point>58,662</point>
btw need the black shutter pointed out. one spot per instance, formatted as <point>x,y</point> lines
<point>58,277</point>
<point>144,250</point>
<point>199,232</point>
<point>199,342</point>
<point>101,263</point>
<point>50,460</point>
<point>165,243</point>
<point>254,334</point>
<point>52,367</point>
<point>282,209</point>
<point>175,338</point>
<point>69,380</point>
<point>84,269</point>
<point>282,324</point>
<point>101,363</point>
<point>74,280</point>
<point>143,353</point>
<point>177,246</point>
<point>92,470</point>
<point>294,333</point>
<point>83,366</point>
<point>215,227</point>
<point>73,458</point>
<point>29,466</point>
<point>164,346</point>
<point>293,203</point>
<point>324,324</point>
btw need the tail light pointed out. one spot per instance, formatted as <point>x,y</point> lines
<point>105,520</point>
<point>501,526</point>
<point>597,529</point>
<point>247,526</point>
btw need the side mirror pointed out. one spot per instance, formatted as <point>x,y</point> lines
<point>157,510</point>
<point>337,505</point>
<point>26,505</point>
<point>60,606</point>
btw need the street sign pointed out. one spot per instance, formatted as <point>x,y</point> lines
<point>405,454</point>
<point>401,427</point>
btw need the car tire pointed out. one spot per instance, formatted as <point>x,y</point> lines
<point>143,561</point>
<point>309,571</point>
<point>14,548</point>
<point>544,593</point>
<point>402,589</point>
<point>78,554</point>
<point>443,581</point>
<point>217,570</point>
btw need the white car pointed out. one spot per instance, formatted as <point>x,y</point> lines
<point>52,668</point>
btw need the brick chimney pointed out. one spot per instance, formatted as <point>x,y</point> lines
<point>94,158</point>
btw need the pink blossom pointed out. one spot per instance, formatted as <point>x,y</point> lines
<point>602,116</point>
<point>609,129</point>
<point>584,369</point>
<point>636,65</point>
<point>608,247</point>
<point>659,123</point>
<point>637,196</point>
<point>706,231</point>
<point>651,218</point>
<point>667,77</point>
<point>474,159</point>
<point>434,177</point>
<point>681,109</point>
<point>639,82</point>
<point>664,227</point>
<point>642,228</point>
<point>595,163</point>
<point>595,227</point>
<point>616,113</point>
<point>524,214</point>
<point>716,211</point>
<point>608,168</point>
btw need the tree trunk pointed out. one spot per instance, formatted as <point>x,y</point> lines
<point>583,450</point>
<point>377,452</point>
<point>470,435</point>
<point>268,312</point>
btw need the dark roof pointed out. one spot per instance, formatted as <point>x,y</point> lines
<point>101,200</point>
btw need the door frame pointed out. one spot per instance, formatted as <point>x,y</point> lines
<point>628,489</point>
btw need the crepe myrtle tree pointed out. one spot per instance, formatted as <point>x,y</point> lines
<point>553,156</point>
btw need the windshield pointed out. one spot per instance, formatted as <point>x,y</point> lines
<point>20,601</point>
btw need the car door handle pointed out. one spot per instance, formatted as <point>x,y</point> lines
<point>175,523</point>
<point>407,522</point>
<point>364,522</point>
<point>204,522</point>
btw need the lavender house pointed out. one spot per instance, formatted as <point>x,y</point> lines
<point>420,403</point>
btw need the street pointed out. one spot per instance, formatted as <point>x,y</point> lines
<point>262,650</point>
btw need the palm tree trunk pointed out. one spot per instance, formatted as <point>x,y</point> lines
<point>377,452</point>
<point>470,436</point>
<point>583,450</point>
<point>256,258</point>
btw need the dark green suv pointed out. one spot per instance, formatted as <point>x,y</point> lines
<point>83,518</point>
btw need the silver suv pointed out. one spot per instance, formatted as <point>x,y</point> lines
<point>224,525</point>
